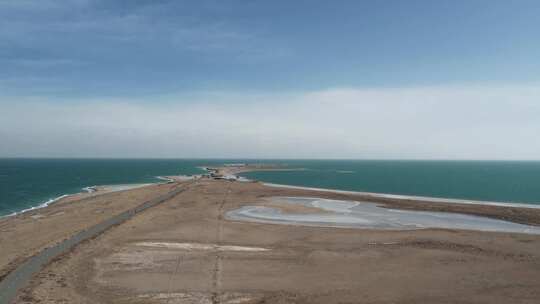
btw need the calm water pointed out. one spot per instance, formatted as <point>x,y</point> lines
<point>25,183</point>
<point>476,180</point>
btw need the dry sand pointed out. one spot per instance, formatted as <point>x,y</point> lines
<point>26,234</point>
<point>185,251</point>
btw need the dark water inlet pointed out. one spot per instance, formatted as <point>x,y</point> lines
<point>22,275</point>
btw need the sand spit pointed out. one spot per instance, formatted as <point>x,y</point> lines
<point>180,252</point>
<point>195,246</point>
<point>230,171</point>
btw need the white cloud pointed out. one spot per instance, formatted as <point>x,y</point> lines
<point>469,122</point>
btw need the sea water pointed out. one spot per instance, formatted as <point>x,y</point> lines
<point>494,181</point>
<point>27,183</point>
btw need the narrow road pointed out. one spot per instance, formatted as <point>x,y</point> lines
<point>21,276</point>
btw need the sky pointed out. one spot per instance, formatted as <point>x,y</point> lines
<point>270,79</point>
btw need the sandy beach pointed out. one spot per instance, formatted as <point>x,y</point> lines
<point>186,250</point>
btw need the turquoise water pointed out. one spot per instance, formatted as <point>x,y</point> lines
<point>498,181</point>
<point>25,183</point>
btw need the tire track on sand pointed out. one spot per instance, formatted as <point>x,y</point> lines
<point>216,274</point>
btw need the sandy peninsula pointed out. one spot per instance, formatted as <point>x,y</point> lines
<point>186,250</point>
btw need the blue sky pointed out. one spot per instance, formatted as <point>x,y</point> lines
<point>122,48</point>
<point>165,55</point>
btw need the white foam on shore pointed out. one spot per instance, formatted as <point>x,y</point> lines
<point>165,178</point>
<point>47,203</point>
<point>411,197</point>
<point>42,205</point>
<point>243,179</point>
<point>89,189</point>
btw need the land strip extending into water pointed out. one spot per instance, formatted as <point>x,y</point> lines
<point>186,250</point>
<point>12,282</point>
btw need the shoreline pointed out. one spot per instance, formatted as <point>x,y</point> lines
<point>40,206</point>
<point>64,218</point>
<point>87,191</point>
<point>190,240</point>
<point>425,199</point>
<point>19,277</point>
<point>236,171</point>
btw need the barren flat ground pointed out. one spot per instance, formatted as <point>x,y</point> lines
<point>186,250</point>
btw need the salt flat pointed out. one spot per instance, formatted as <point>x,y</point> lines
<point>368,215</point>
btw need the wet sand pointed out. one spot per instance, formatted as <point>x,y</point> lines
<point>186,251</point>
